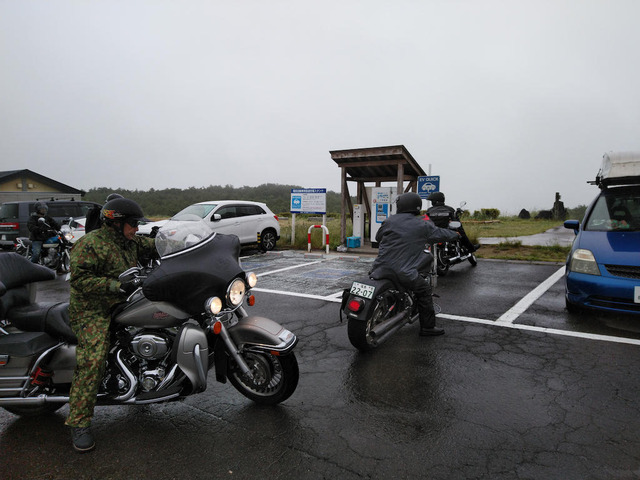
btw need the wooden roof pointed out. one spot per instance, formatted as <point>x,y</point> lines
<point>377,164</point>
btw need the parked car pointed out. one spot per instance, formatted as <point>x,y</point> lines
<point>603,267</point>
<point>146,227</point>
<point>15,215</point>
<point>252,222</point>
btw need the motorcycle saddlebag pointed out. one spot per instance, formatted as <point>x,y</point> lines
<point>18,351</point>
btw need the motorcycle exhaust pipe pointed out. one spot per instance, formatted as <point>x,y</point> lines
<point>384,327</point>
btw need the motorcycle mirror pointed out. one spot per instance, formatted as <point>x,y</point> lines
<point>41,220</point>
<point>462,204</point>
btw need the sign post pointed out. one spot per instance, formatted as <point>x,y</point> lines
<point>308,200</point>
<point>427,185</point>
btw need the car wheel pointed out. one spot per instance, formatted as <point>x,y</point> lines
<point>268,240</point>
<point>571,307</point>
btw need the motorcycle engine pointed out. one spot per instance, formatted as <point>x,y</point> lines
<point>149,346</point>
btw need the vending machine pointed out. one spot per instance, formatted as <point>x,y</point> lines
<point>382,206</point>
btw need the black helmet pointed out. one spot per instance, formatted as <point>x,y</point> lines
<point>113,196</point>
<point>121,209</point>
<point>41,208</point>
<point>409,203</point>
<point>437,198</point>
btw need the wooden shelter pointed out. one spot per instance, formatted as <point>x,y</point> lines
<point>373,165</point>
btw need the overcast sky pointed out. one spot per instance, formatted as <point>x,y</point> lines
<point>508,101</point>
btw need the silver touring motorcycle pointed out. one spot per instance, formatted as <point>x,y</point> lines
<point>184,316</point>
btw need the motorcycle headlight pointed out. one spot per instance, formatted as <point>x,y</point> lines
<point>583,261</point>
<point>68,236</point>
<point>252,279</point>
<point>213,305</point>
<point>235,292</point>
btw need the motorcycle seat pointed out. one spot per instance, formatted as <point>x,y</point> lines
<point>51,318</point>
<point>16,271</point>
<point>26,344</point>
<point>382,272</point>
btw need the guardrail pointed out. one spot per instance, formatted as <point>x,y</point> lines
<point>326,231</point>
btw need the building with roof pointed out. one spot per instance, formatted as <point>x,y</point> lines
<point>24,185</point>
<point>375,166</point>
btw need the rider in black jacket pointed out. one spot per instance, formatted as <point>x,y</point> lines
<point>441,214</point>
<point>402,239</point>
<point>38,231</point>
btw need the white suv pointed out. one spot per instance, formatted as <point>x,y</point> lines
<point>252,222</point>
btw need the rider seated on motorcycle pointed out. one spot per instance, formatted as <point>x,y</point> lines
<point>97,260</point>
<point>402,238</point>
<point>441,214</point>
<point>38,231</point>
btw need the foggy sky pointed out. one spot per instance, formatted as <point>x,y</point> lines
<point>508,101</point>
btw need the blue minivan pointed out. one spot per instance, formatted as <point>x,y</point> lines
<point>603,267</point>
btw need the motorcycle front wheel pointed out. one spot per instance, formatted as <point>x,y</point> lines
<point>65,261</point>
<point>275,378</point>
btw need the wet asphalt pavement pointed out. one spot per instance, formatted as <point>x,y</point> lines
<point>507,393</point>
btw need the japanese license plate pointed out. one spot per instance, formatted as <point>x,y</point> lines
<point>636,294</point>
<point>362,290</point>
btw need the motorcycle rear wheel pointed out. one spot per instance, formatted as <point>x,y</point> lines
<point>472,260</point>
<point>275,377</point>
<point>33,410</point>
<point>359,331</point>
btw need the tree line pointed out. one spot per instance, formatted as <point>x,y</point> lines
<point>168,202</point>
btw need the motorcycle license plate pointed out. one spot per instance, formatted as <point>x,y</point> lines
<point>362,290</point>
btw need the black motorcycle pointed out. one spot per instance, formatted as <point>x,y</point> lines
<point>378,305</point>
<point>184,317</point>
<point>451,253</point>
<point>55,249</point>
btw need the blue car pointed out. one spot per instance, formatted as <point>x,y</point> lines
<point>603,267</point>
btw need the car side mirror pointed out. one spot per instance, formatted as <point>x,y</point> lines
<point>215,217</point>
<point>572,225</point>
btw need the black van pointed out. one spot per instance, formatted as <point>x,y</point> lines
<point>15,215</point>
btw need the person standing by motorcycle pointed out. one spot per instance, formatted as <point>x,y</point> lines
<point>97,259</point>
<point>402,239</point>
<point>39,231</point>
<point>442,214</point>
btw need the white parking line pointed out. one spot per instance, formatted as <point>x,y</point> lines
<point>551,331</point>
<point>519,308</point>
<point>287,268</point>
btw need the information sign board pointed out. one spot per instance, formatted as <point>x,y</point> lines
<point>427,185</point>
<point>309,200</point>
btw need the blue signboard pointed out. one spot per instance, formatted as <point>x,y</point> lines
<point>427,185</point>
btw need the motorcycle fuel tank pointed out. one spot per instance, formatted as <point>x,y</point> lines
<point>145,313</point>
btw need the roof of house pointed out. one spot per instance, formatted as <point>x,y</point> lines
<point>9,175</point>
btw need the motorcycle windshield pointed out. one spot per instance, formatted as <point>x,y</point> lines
<point>196,264</point>
<point>187,233</point>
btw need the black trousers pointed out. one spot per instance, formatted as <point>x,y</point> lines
<point>422,291</point>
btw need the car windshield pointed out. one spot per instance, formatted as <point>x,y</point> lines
<point>615,212</point>
<point>199,209</point>
<point>177,235</point>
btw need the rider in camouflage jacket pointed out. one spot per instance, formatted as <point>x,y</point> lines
<point>97,259</point>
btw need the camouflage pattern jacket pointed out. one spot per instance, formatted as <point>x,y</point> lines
<point>97,259</point>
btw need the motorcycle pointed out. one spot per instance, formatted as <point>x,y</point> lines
<point>185,316</point>
<point>55,249</point>
<point>378,305</point>
<point>448,254</point>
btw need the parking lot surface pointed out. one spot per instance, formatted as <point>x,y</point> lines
<point>518,388</point>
